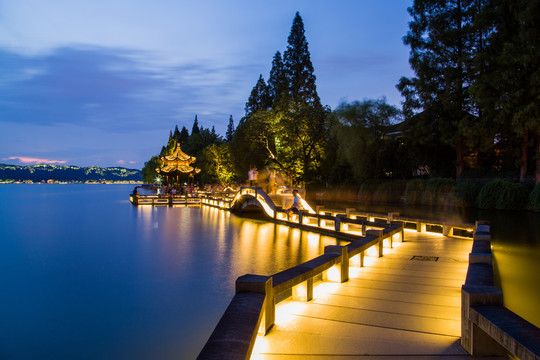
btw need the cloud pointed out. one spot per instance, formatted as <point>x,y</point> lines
<point>117,89</point>
<point>29,160</point>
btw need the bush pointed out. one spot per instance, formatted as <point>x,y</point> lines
<point>367,189</point>
<point>502,195</point>
<point>437,191</point>
<point>389,192</point>
<point>534,198</point>
<point>414,190</point>
<point>465,193</point>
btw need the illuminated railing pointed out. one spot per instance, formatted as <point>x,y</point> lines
<point>253,305</point>
<point>487,327</point>
<point>450,229</point>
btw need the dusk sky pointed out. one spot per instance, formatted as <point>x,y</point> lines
<point>102,82</point>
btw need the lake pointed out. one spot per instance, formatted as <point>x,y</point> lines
<point>86,275</point>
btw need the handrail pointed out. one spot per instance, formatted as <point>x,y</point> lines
<point>224,343</point>
<point>487,327</point>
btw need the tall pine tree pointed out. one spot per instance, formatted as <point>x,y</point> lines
<point>303,117</point>
<point>298,68</point>
<point>195,129</point>
<point>277,82</point>
<point>230,130</point>
<point>443,44</point>
<point>184,134</point>
<point>259,98</point>
<point>508,88</point>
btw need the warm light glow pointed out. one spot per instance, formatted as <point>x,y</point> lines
<point>313,239</point>
<point>265,205</point>
<point>370,260</point>
<point>334,273</point>
<point>355,260</point>
<point>306,206</point>
<point>300,291</point>
<point>373,251</point>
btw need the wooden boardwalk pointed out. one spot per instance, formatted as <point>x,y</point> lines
<point>406,304</point>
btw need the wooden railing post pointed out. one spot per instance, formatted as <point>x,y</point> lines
<point>377,233</point>
<point>262,285</point>
<point>344,262</point>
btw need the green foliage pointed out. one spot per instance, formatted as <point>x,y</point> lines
<point>285,124</point>
<point>216,165</point>
<point>149,173</point>
<point>414,190</point>
<point>230,130</point>
<point>502,195</point>
<point>389,192</point>
<point>259,99</point>
<point>465,193</point>
<point>367,190</point>
<point>277,82</point>
<point>195,129</point>
<point>534,198</point>
<point>298,69</point>
<point>360,129</point>
<point>437,191</point>
<point>44,172</point>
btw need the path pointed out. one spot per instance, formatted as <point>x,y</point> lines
<point>404,304</point>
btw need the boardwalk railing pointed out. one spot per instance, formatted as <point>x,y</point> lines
<point>487,327</point>
<point>252,308</point>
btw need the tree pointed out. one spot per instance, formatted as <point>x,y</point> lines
<point>176,134</point>
<point>149,173</point>
<point>443,43</point>
<point>230,130</point>
<point>508,88</point>
<point>195,129</point>
<point>277,82</point>
<point>184,135</point>
<point>217,165</point>
<point>361,130</point>
<point>298,68</point>
<point>303,116</point>
<point>259,98</point>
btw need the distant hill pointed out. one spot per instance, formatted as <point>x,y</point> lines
<point>63,173</point>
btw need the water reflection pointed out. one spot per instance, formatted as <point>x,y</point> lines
<point>83,269</point>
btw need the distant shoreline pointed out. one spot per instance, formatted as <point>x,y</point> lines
<point>67,174</point>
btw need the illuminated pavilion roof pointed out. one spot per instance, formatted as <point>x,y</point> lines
<point>178,163</point>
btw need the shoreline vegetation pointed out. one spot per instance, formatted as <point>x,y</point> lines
<point>492,194</point>
<point>68,174</point>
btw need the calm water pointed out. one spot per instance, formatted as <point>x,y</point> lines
<point>85,275</point>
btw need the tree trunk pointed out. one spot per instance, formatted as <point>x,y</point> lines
<point>460,163</point>
<point>538,159</point>
<point>524,159</point>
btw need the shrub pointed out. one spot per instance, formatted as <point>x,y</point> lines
<point>465,193</point>
<point>502,195</point>
<point>414,190</point>
<point>437,191</point>
<point>389,192</point>
<point>367,189</point>
<point>534,198</point>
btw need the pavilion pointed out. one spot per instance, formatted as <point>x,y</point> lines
<point>178,164</point>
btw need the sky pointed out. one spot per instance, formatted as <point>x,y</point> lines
<point>102,82</point>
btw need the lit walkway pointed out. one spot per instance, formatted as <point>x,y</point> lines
<point>396,306</point>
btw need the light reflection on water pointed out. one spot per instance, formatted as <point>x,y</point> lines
<point>85,275</point>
